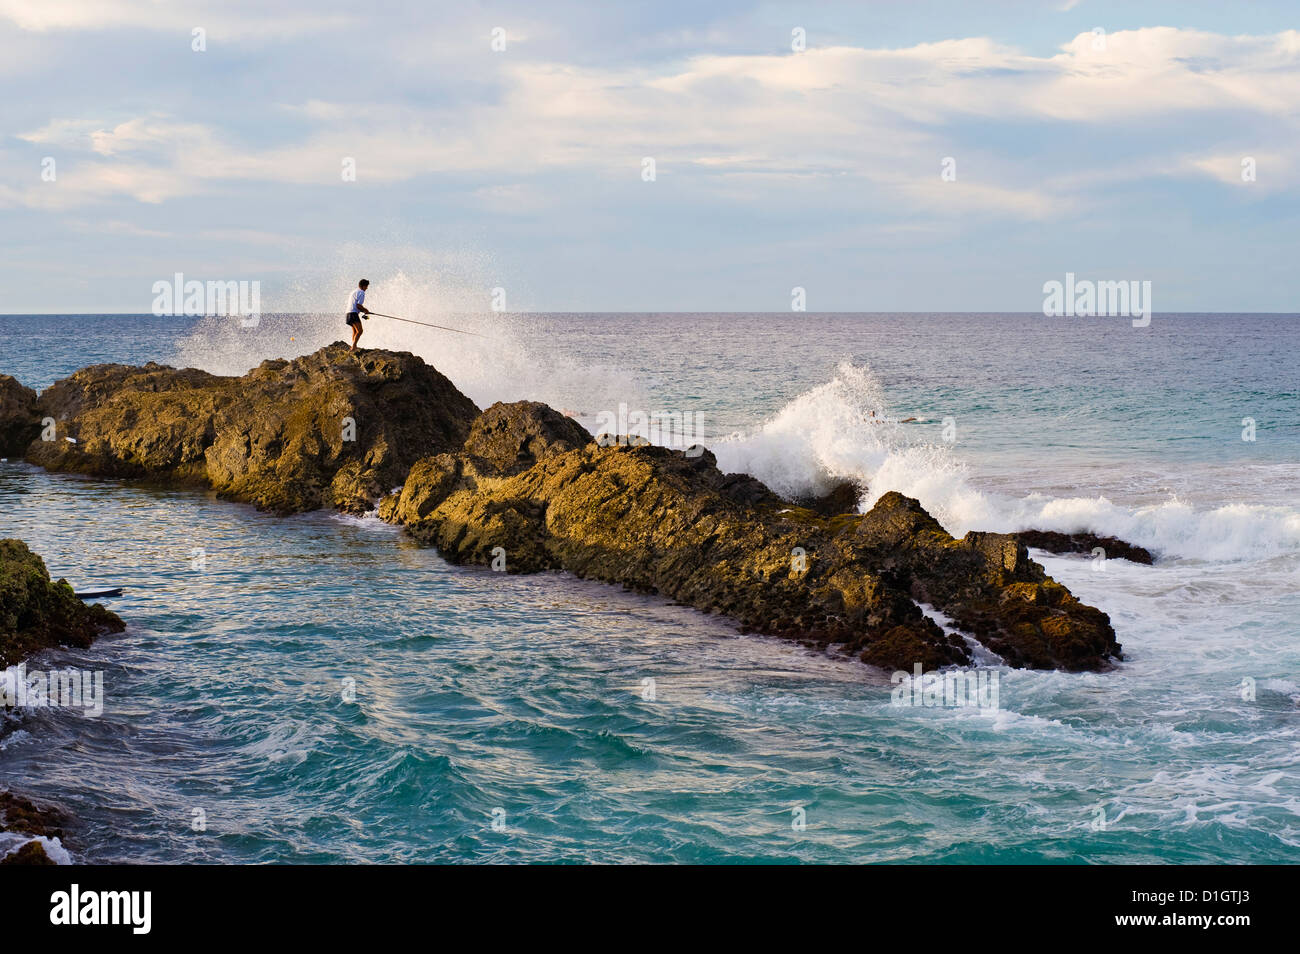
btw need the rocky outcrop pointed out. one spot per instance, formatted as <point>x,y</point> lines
<point>330,429</point>
<point>1112,547</point>
<point>21,818</point>
<point>36,613</point>
<point>19,421</point>
<point>658,521</point>
<point>527,489</point>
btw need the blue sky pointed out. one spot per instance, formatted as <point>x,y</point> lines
<point>1114,156</point>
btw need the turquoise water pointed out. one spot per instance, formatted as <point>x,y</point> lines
<point>478,693</point>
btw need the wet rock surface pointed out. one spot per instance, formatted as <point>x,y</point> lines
<point>37,613</point>
<point>842,498</point>
<point>20,816</point>
<point>19,420</point>
<point>523,487</point>
<point>1112,547</point>
<point>658,521</point>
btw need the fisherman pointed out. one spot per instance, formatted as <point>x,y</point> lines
<point>357,308</point>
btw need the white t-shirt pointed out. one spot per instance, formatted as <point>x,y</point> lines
<point>358,296</point>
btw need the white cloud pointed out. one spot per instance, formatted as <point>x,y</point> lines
<point>228,18</point>
<point>1271,170</point>
<point>880,116</point>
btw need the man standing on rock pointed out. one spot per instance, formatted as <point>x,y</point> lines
<point>357,308</point>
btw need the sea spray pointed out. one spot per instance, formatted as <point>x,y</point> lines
<point>829,434</point>
<point>821,437</point>
<point>513,360</point>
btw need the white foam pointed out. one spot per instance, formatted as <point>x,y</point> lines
<point>826,435</point>
<point>1173,528</point>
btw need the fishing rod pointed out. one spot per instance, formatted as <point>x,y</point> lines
<point>427,325</point>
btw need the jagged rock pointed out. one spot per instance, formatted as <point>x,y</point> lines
<point>1055,542</point>
<point>504,440</point>
<point>524,486</point>
<point>36,613</point>
<point>658,521</point>
<point>513,437</point>
<point>19,421</point>
<point>326,429</point>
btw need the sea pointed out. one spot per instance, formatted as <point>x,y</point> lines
<point>317,689</point>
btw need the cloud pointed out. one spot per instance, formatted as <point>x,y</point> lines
<point>881,118</point>
<point>229,18</point>
<point>69,133</point>
<point>1270,170</point>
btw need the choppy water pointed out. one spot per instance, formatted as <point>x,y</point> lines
<point>477,692</point>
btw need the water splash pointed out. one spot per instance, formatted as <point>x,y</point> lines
<point>508,358</point>
<point>827,435</point>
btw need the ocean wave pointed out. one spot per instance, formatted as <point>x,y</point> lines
<point>828,435</point>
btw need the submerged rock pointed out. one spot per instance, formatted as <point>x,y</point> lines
<point>19,421</point>
<point>36,613</point>
<point>658,521</point>
<point>1112,547</point>
<point>329,429</point>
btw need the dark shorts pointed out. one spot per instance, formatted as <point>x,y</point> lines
<point>354,318</point>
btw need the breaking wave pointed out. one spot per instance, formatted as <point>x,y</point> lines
<point>827,435</point>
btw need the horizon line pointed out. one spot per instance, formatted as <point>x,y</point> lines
<point>543,311</point>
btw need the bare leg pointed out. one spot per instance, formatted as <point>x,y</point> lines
<point>356,335</point>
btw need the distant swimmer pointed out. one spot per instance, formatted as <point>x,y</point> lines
<point>357,308</point>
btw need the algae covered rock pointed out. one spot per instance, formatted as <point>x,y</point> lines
<point>36,613</point>
<point>30,853</point>
<point>19,420</point>
<point>21,816</point>
<point>329,429</point>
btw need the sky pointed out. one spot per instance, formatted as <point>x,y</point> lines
<point>910,156</point>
